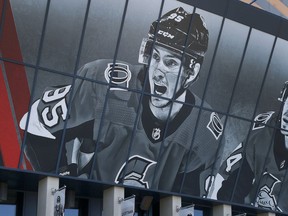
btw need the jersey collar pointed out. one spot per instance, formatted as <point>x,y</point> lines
<point>155,128</point>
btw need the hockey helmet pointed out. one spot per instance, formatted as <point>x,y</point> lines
<point>173,32</point>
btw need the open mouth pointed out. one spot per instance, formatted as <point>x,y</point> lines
<point>159,89</point>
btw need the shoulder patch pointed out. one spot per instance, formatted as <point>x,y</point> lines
<point>118,75</point>
<point>261,119</point>
<point>215,125</point>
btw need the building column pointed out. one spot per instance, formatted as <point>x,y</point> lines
<point>45,206</point>
<point>266,214</point>
<point>169,205</point>
<point>3,191</point>
<point>111,204</point>
<point>222,210</point>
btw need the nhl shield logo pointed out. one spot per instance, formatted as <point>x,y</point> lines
<point>156,134</point>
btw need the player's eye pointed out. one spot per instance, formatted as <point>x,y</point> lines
<point>156,57</point>
<point>171,63</point>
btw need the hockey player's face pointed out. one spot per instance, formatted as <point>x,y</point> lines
<point>284,119</point>
<point>163,75</point>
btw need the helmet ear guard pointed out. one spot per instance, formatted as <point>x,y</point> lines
<point>145,51</point>
<point>284,92</point>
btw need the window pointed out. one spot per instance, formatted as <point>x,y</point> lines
<point>198,212</point>
<point>8,210</point>
<point>71,212</point>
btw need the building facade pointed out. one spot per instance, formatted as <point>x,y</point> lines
<point>180,105</point>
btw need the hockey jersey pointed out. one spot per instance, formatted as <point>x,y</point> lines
<point>256,171</point>
<point>110,106</point>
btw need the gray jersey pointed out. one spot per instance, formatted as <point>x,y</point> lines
<point>257,169</point>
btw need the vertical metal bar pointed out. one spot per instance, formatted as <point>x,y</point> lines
<point>254,113</point>
<point>205,89</point>
<point>108,89</point>
<point>62,143</point>
<point>35,78</point>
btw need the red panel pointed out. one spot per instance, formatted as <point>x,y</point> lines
<point>10,48</point>
<point>1,7</point>
<point>9,145</point>
<point>16,76</point>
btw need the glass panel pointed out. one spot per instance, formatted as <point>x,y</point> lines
<point>198,212</point>
<point>213,24</point>
<point>102,30</point>
<point>71,212</point>
<point>274,82</point>
<point>226,65</point>
<point>25,33</point>
<point>14,102</point>
<point>252,74</point>
<point>62,34</point>
<point>8,210</point>
<point>49,90</point>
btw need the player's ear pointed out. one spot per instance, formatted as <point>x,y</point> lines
<point>192,74</point>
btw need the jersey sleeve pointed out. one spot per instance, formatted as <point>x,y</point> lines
<point>238,184</point>
<point>49,114</point>
<point>73,106</point>
<point>237,172</point>
<point>234,178</point>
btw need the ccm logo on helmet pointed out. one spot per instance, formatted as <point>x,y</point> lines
<point>165,34</point>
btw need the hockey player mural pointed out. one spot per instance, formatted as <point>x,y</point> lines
<point>137,125</point>
<point>256,171</point>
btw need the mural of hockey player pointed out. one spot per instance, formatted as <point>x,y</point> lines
<point>145,137</point>
<point>258,167</point>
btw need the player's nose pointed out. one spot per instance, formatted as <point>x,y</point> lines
<point>161,65</point>
<point>159,74</point>
<point>158,77</point>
